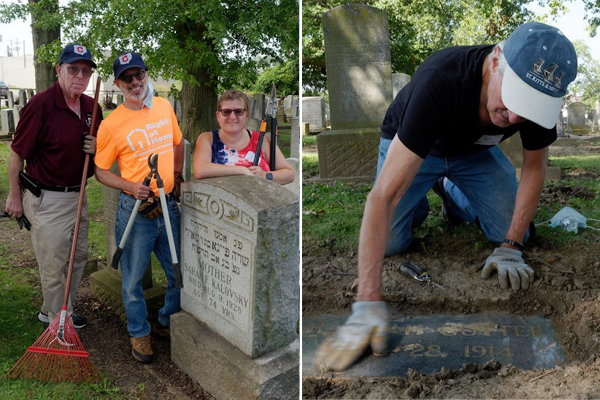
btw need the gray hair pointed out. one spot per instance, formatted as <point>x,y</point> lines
<point>501,59</point>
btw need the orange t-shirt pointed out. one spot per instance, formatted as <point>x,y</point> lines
<point>130,136</point>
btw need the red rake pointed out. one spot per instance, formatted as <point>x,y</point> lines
<point>58,354</point>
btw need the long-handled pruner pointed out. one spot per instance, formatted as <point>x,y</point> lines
<point>413,271</point>
<point>270,113</point>
<point>136,207</point>
<point>163,201</point>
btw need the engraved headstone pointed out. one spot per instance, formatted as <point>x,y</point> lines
<point>295,138</point>
<point>11,99</point>
<point>358,62</point>
<point>513,150</point>
<point>560,126</point>
<point>17,114</point>
<point>313,113</point>
<point>429,343</point>
<point>287,105</point>
<point>22,97</point>
<point>30,94</point>
<point>359,81</point>
<point>240,265</point>
<point>305,128</point>
<point>259,106</point>
<point>399,80</point>
<point>576,117</point>
<point>8,123</point>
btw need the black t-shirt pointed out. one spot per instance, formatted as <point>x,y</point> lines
<point>437,113</point>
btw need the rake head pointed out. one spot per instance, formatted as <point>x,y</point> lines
<point>57,355</point>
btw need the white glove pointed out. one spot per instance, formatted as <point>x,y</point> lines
<point>368,325</point>
<point>509,264</point>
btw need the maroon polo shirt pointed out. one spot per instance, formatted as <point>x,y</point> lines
<point>49,138</point>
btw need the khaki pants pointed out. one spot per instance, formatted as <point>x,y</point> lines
<point>52,217</point>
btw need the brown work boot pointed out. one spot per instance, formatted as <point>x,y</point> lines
<point>141,349</point>
<point>162,330</point>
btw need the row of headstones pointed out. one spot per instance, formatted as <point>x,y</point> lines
<point>315,112</point>
<point>10,116</point>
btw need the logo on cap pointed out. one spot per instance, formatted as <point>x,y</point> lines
<point>125,59</point>
<point>79,49</point>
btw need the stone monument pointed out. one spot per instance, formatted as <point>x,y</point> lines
<point>513,150</point>
<point>313,113</point>
<point>359,80</point>
<point>399,80</point>
<point>576,117</point>
<point>236,334</point>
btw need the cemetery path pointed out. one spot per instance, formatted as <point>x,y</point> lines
<point>105,337</point>
<point>566,290</point>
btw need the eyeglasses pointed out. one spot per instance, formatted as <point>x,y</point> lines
<point>129,78</point>
<point>226,112</point>
<point>73,70</point>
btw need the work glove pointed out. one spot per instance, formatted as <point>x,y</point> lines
<point>177,186</point>
<point>150,208</point>
<point>509,264</point>
<point>368,325</point>
<point>89,144</point>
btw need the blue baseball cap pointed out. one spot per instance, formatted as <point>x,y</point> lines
<point>75,52</point>
<point>126,61</point>
<point>542,62</point>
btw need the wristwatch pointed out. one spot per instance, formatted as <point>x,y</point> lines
<point>514,243</point>
<point>269,176</point>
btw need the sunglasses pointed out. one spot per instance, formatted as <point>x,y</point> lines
<point>129,78</point>
<point>73,70</point>
<point>226,112</point>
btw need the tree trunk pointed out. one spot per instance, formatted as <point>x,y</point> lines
<point>45,73</point>
<point>199,105</point>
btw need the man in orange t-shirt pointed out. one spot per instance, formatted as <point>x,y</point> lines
<point>141,126</point>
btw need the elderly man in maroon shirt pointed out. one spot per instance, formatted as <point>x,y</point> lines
<point>51,139</point>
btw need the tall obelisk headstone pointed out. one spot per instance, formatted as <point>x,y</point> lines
<point>236,333</point>
<point>359,81</point>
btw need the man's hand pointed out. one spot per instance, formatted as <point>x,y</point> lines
<point>368,325</point>
<point>89,144</point>
<point>14,205</point>
<point>509,264</point>
<point>139,191</point>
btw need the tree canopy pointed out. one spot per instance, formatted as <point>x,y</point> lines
<point>208,45</point>
<point>417,29</point>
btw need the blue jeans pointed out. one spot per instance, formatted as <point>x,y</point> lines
<point>146,235</point>
<point>480,185</point>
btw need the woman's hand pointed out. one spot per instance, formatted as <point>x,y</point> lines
<point>258,171</point>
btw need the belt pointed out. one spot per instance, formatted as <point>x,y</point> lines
<point>64,189</point>
<point>168,196</point>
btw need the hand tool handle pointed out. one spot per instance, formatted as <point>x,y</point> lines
<point>261,136</point>
<point>86,165</point>
<point>136,207</point>
<point>273,144</point>
<point>176,267</point>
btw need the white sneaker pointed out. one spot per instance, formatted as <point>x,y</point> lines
<point>43,318</point>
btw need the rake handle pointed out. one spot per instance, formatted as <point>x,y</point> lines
<point>86,165</point>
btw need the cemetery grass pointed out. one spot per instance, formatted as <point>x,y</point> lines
<point>105,337</point>
<point>566,289</point>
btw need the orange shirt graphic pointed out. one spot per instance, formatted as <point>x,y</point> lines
<point>130,136</point>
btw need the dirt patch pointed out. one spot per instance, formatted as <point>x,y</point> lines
<point>566,290</point>
<point>106,339</point>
